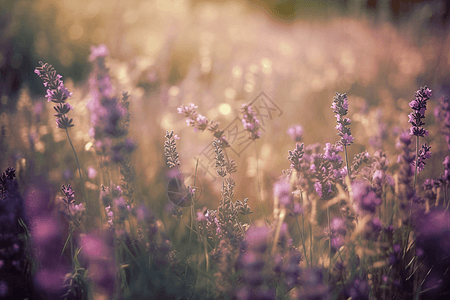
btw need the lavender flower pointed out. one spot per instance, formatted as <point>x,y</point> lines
<point>340,108</point>
<point>358,290</point>
<point>372,229</point>
<point>377,174</point>
<point>252,263</point>
<point>291,268</point>
<point>434,239</point>
<point>109,116</point>
<point>97,251</point>
<point>200,122</point>
<point>13,273</point>
<point>446,163</point>
<point>296,156</point>
<point>73,212</point>
<point>328,171</point>
<point>282,191</point>
<point>99,52</point>
<point>250,122</point>
<point>336,233</point>
<point>424,153</point>
<point>358,160</point>
<point>406,173</point>
<point>194,119</point>
<point>57,93</point>
<point>296,132</point>
<point>419,105</point>
<point>365,198</point>
<point>48,240</point>
<point>313,286</point>
<point>442,114</point>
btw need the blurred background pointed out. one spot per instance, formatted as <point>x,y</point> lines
<point>219,55</point>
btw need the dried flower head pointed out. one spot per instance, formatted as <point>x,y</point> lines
<point>170,150</point>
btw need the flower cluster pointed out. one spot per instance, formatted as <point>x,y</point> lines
<point>252,263</point>
<point>156,241</point>
<point>340,108</point>
<point>358,289</point>
<point>47,239</point>
<point>73,212</point>
<point>200,122</point>
<point>295,157</point>
<point>13,277</point>
<point>223,166</point>
<point>194,119</point>
<point>419,105</point>
<point>406,173</point>
<point>57,93</point>
<point>365,197</point>
<point>446,163</point>
<point>424,153</point>
<point>328,171</point>
<point>442,114</point>
<point>282,191</point>
<point>250,122</point>
<point>358,160</point>
<point>5,179</point>
<point>296,133</point>
<point>377,173</point>
<point>338,230</point>
<point>433,240</point>
<point>108,114</point>
<point>96,249</point>
<point>116,208</point>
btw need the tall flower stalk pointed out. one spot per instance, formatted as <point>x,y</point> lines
<point>251,124</point>
<point>58,94</point>
<point>340,108</point>
<point>419,105</point>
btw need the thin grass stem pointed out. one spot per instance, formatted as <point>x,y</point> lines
<point>79,168</point>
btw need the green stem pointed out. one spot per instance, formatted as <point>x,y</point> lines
<point>303,242</point>
<point>346,162</point>
<point>259,184</point>
<point>78,165</point>
<point>417,160</point>
<point>310,244</point>
<point>329,243</point>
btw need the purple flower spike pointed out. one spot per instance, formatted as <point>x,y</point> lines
<point>250,122</point>
<point>419,105</point>
<point>340,108</point>
<point>365,198</point>
<point>424,154</point>
<point>442,114</point>
<point>57,93</point>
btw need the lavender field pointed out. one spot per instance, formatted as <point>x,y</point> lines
<point>224,150</point>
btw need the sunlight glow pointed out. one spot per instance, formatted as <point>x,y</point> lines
<point>225,109</point>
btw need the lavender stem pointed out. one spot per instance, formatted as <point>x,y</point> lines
<point>78,165</point>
